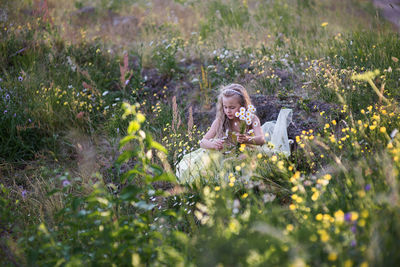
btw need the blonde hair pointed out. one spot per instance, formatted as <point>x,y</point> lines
<point>232,89</point>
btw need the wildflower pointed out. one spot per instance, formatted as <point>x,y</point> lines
<point>217,188</point>
<point>324,24</point>
<point>348,263</point>
<point>367,187</point>
<point>238,168</point>
<point>24,193</point>
<point>20,78</point>
<point>289,227</point>
<point>245,195</point>
<point>332,256</point>
<point>259,155</point>
<point>66,183</point>
<point>105,93</point>
<point>315,196</point>
<point>366,76</point>
<point>324,235</point>
<point>382,129</point>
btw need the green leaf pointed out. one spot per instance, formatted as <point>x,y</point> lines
<point>52,192</point>
<point>181,237</point>
<point>126,155</point>
<point>158,146</point>
<point>125,140</point>
<point>130,174</point>
<point>168,177</point>
<point>129,193</point>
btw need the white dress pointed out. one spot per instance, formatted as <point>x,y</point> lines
<point>205,164</point>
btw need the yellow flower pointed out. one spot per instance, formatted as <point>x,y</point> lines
<point>245,195</point>
<point>324,235</point>
<point>242,147</point>
<point>382,129</point>
<point>259,155</point>
<point>289,227</point>
<point>354,216</point>
<point>334,122</point>
<point>315,196</point>
<point>295,176</point>
<point>281,165</point>
<point>238,168</point>
<point>274,158</point>
<point>324,24</point>
<point>364,213</point>
<point>348,263</point>
<point>217,188</point>
<point>292,207</point>
<point>332,256</point>
<point>319,217</point>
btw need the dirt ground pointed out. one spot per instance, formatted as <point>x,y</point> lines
<point>390,10</point>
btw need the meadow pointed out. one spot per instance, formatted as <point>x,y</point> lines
<point>100,99</point>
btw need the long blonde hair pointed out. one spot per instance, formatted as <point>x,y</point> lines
<point>227,91</point>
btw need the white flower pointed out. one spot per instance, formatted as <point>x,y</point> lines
<point>105,93</point>
<point>237,114</point>
<point>242,110</point>
<point>255,124</point>
<point>248,114</point>
<point>251,108</point>
<point>248,122</point>
<point>242,117</point>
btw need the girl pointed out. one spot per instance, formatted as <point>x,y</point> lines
<point>230,100</point>
<point>208,161</point>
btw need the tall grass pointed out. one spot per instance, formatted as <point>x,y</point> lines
<point>65,187</point>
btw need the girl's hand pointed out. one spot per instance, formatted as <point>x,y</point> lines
<point>218,144</point>
<point>242,138</point>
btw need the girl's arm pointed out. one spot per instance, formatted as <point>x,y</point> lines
<point>207,143</point>
<point>258,138</point>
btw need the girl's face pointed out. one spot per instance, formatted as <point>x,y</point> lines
<point>231,105</point>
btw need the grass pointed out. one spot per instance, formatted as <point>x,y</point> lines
<point>76,174</point>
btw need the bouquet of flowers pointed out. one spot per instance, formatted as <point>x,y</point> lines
<point>245,117</point>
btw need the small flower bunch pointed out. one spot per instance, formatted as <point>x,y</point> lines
<point>245,117</point>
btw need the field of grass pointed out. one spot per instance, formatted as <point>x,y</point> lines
<point>100,99</point>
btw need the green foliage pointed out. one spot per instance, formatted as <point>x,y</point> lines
<point>334,201</point>
<point>165,56</point>
<point>122,224</point>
